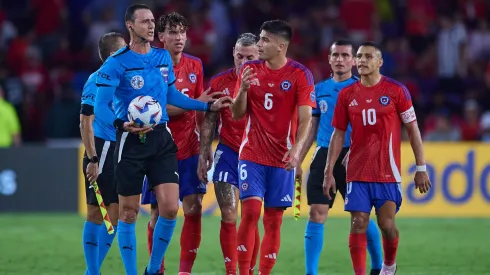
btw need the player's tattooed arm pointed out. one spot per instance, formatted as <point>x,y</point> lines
<point>207,132</point>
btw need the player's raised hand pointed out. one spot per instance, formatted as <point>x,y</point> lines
<point>292,158</point>
<point>247,76</point>
<point>329,185</point>
<point>422,182</point>
<point>92,171</point>
<point>221,103</point>
<point>134,129</point>
<point>202,171</point>
<point>209,97</point>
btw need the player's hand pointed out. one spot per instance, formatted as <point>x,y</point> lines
<point>210,159</point>
<point>247,76</point>
<point>291,158</point>
<point>422,182</point>
<point>92,171</point>
<point>134,129</point>
<point>344,161</point>
<point>209,97</point>
<point>221,103</point>
<point>202,171</point>
<point>329,185</point>
<point>299,173</point>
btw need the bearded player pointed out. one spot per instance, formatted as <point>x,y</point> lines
<point>375,107</point>
<point>225,175</point>
<point>183,124</point>
<point>274,94</point>
<point>341,59</point>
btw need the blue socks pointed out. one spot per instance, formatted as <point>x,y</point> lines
<point>374,245</point>
<point>127,246</point>
<point>105,242</point>
<point>91,245</point>
<point>313,246</point>
<point>164,229</point>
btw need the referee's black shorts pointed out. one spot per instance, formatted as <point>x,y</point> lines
<point>105,181</point>
<point>156,158</point>
<point>314,187</point>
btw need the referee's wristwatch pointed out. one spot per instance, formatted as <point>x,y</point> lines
<point>94,159</point>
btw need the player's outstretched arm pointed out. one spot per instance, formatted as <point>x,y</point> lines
<point>177,99</point>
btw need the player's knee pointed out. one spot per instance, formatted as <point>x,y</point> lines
<point>94,215</point>
<point>192,205</point>
<point>359,223</point>
<point>229,213</point>
<point>128,214</point>
<point>272,219</point>
<point>386,225</point>
<point>168,210</point>
<point>318,213</point>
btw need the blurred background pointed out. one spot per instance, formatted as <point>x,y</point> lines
<point>440,49</point>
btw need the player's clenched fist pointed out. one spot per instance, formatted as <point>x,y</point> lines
<point>291,158</point>
<point>247,76</point>
<point>422,182</point>
<point>329,184</point>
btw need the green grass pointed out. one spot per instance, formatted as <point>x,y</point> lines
<point>51,244</point>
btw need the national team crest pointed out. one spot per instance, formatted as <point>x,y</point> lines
<point>164,72</point>
<point>192,78</point>
<point>244,186</point>
<point>285,85</point>
<point>137,82</point>
<point>323,106</point>
<point>384,100</point>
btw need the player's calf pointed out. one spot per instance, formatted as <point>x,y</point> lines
<point>386,222</point>
<point>271,242</point>
<point>190,239</point>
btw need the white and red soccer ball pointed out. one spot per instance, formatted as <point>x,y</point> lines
<point>145,111</point>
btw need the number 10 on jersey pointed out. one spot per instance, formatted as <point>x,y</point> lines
<point>368,117</point>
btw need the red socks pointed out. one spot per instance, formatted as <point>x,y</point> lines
<point>256,251</point>
<point>357,247</point>
<point>271,241</point>
<point>227,238</point>
<point>390,247</point>
<point>245,241</point>
<point>190,239</point>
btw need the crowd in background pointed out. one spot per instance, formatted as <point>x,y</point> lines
<point>440,49</point>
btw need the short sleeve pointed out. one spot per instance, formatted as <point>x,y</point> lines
<point>89,91</point>
<point>316,111</point>
<point>109,74</point>
<point>305,93</point>
<point>404,105</point>
<point>340,116</point>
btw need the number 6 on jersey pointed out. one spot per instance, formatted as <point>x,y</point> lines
<point>268,101</point>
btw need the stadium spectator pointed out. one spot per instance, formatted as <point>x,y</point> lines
<point>9,123</point>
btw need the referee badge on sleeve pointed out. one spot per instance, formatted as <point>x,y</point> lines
<point>164,72</point>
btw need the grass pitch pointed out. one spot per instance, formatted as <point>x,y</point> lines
<point>51,245</point>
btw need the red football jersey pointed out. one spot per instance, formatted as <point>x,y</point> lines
<point>189,81</point>
<point>376,115</point>
<point>272,110</point>
<point>230,131</point>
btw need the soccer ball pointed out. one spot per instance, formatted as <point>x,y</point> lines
<point>144,111</point>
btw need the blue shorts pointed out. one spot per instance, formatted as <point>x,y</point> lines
<point>362,196</point>
<point>225,165</point>
<point>275,185</point>
<point>189,183</point>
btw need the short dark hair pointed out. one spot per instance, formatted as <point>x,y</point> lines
<point>109,43</point>
<point>172,20</point>
<point>246,39</point>
<point>372,44</point>
<point>278,27</point>
<point>343,42</point>
<point>129,16</point>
